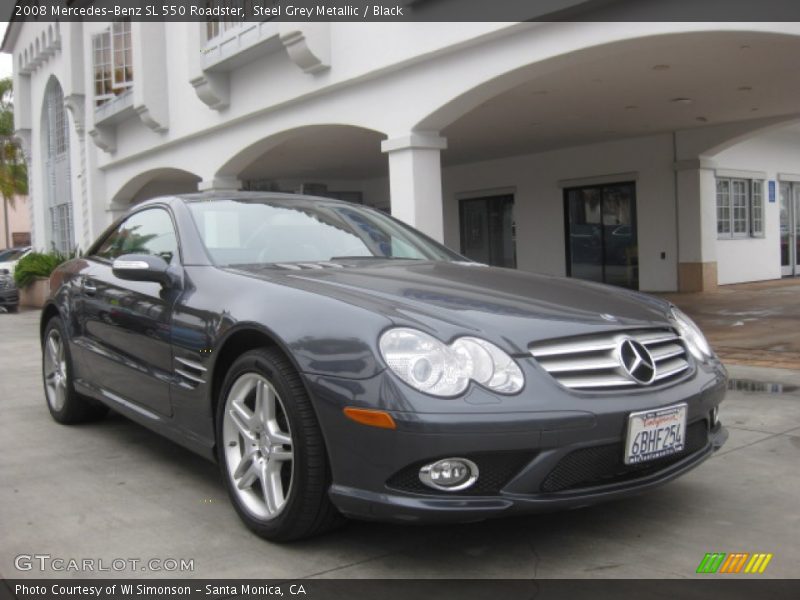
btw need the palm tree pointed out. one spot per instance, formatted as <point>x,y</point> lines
<point>13,171</point>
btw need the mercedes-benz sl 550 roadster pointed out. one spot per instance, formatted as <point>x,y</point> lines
<point>336,362</point>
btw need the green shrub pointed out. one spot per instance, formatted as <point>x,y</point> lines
<point>37,264</point>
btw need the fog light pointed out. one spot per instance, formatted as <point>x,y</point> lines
<point>714,416</point>
<point>449,474</point>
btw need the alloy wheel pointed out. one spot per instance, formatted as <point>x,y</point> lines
<point>258,446</point>
<point>55,370</point>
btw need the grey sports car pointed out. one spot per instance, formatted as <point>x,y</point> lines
<point>335,361</point>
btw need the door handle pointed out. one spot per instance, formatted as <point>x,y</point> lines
<point>89,289</point>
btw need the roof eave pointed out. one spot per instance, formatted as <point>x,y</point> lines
<point>10,38</point>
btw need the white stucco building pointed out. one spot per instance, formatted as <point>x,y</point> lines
<point>659,156</point>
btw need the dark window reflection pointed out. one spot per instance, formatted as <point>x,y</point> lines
<point>602,242</point>
<point>487,230</point>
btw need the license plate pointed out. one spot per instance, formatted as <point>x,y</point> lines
<point>655,434</point>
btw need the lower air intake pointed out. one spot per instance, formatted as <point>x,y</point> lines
<point>604,465</point>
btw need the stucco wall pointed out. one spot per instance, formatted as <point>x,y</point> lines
<point>539,204</point>
<point>754,259</point>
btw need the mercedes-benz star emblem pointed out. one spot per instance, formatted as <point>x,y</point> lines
<point>637,362</point>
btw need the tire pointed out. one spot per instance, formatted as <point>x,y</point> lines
<point>12,308</point>
<point>65,404</point>
<point>271,451</point>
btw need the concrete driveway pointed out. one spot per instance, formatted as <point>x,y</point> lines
<point>114,490</point>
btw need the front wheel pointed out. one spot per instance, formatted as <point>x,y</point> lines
<point>271,451</point>
<point>65,404</point>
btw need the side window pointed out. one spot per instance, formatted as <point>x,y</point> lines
<point>147,232</point>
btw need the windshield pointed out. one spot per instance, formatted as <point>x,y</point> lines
<point>11,254</point>
<point>239,232</point>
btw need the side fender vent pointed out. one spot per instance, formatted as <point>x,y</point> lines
<point>190,373</point>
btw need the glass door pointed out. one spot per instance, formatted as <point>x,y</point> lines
<point>487,230</point>
<point>601,235</point>
<point>790,228</point>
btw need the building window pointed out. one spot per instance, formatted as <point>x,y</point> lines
<point>113,62</point>
<point>739,197</point>
<point>757,209</point>
<point>122,47</point>
<point>217,26</point>
<point>740,208</point>
<point>57,169</point>
<point>101,48</point>
<point>723,207</point>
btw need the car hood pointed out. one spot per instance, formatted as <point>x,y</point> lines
<point>511,307</point>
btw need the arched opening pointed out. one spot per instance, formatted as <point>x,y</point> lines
<point>56,158</point>
<point>155,183</point>
<point>568,165</point>
<point>338,161</point>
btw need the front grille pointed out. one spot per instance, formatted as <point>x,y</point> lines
<point>604,465</point>
<point>593,362</point>
<point>495,470</point>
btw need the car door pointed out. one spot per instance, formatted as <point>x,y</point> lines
<point>126,325</point>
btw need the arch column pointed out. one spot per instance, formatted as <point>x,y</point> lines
<point>415,180</point>
<point>697,225</point>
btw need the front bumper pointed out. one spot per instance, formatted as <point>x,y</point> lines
<point>9,297</point>
<point>384,506</point>
<point>551,449</point>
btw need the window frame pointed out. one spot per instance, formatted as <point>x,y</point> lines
<point>217,28</point>
<point>727,207</point>
<point>105,79</point>
<point>114,227</point>
<point>753,212</point>
<point>125,37</point>
<point>106,73</point>
<point>760,211</point>
<point>744,232</point>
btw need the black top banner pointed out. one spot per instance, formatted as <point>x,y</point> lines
<point>400,10</point>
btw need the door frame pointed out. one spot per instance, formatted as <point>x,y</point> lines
<point>565,201</point>
<point>793,207</point>
<point>487,195</point>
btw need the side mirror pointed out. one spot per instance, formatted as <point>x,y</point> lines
<point>142,267</point>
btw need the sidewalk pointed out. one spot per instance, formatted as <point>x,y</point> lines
<point>750,323</point>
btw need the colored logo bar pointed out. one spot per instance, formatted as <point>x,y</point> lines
<point>736,562</point>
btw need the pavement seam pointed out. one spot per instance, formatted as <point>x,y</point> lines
<point>353,564</point>
<point>739,428</point>
<point>770,437</point>
<point>537,559</point>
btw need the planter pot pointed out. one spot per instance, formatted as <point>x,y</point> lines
<point>34,294</point>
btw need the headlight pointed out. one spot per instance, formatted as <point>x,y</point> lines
<point>690,332</point>
<point>435,368</point>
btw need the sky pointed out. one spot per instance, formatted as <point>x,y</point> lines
<point>5,59</point>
